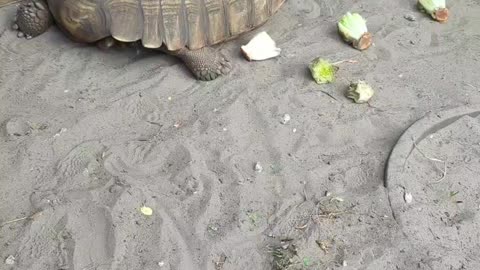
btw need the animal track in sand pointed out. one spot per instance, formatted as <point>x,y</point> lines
<point>69,216</point>
<point>40,244</point>
<point>168,167</point>
<point>91,226</point>
<point>135,159</point>
<point>85,157</point>
<point>163,174</point>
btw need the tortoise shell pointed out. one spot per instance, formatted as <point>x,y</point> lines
<point>174,23</point>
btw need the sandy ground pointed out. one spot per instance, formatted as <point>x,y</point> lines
<point>88,137</point>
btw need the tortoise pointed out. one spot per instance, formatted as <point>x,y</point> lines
<point>183,28</point>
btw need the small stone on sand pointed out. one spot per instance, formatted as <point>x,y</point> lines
<point>408,197</point>
<point>10,260</point>
<point>286,118</point>
<point>258,167</point>
<point>409,17</point>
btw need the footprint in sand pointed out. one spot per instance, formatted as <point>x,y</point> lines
<point>92,233</point>
<point>80,159</point>
<point>135,158</point>
<point>17,127</point>
<point>186,189</point>
<point>70,236</point>
<point>72,228</point>
<point>149,160</point>
<point>40,246</point>
<point>82,167</point>
<point>147,108</point>
<point>162,175</point>
<point>79,171</point>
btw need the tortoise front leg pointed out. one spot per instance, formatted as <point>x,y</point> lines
<point>206,64</point>
<point>33,18</point>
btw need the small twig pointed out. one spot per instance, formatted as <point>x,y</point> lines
<point>332,214</point>
<point>328,94</point>
<point>471,85</point>
<point>444,172</point>
<point>350,61</point>
<point>301,227</point>
<point>305,191</point>
<point>18,219</point>
<point>424,155</point>
<point>13,221</point>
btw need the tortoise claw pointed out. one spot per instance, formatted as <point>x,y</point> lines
<point>206,64</point>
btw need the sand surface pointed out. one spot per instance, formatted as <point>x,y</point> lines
<point>88,137</point>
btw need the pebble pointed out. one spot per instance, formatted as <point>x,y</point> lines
<point>161,264</point>
<point>337,199</point>
<point>17,127</point>
<point>62,130</point>
<point>409,17</point>
<point>286,118</point>
<point>258,167</point>
<point>10,260</point>
<point>408,197</point>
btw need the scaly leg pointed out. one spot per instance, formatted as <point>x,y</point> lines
<point>206,64</point>
<point>33,18</point>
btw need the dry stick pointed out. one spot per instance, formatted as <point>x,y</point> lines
<point>18,219</point>
<point>12,221</point>
<point>351,61</point>
<point>471,85</point>
<point>332,214</point>
<point>444,172</point>
<point>305,191</point>
<point>301,227</point>
<point>328,94</point>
